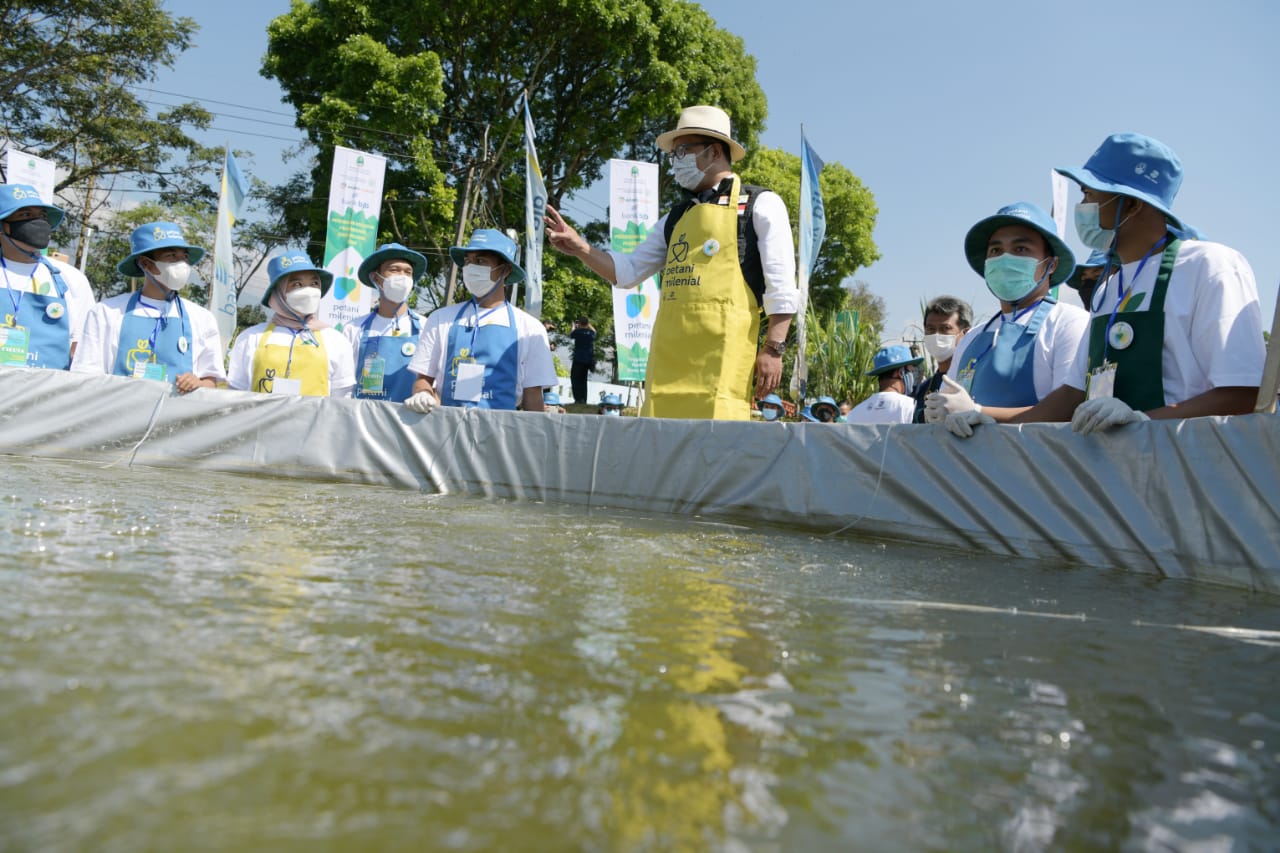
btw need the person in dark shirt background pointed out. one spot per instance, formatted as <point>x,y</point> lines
<point>583,360</point>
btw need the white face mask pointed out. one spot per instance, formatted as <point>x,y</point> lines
<point>172,275</point>
<point>940,347</point>
<point>304,301</point>
<point>396,288</point>
<point>769,413</point>
<point>686,172</point>
<point>479,279</point>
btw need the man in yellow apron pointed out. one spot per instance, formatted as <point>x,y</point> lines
<point>725,254</point>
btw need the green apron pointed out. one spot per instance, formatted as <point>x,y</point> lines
<point>1134,343</point>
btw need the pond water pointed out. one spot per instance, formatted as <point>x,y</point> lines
<point>194,661</point>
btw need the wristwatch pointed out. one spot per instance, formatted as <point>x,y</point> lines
<point>777,348</point>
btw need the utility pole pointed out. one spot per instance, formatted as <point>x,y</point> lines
<point>466,209</point>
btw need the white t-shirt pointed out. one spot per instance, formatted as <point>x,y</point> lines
<point>1056,352</point>
<point>342,370</point>
<point>1212,320</point>
<point>536,367</point>
<point>19,276</point>
<point>773,237</point>
<point>101,337</point>
<point>883,407</point>
<point>354,331</point>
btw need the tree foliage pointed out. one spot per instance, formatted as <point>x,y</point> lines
<point>851,216</point>
<point>436,87</point>
<point>69,73</point>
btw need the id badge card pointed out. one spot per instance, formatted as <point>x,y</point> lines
<point>470,382</point>
<point>140,365</point>
<point>14,343</point>
<point>966,380</point>
<point>286,387</point>
<point>373,375</point>
<point>1102,382</point>
<point>152,370</point>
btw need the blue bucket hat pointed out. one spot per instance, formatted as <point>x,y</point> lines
<point>807,415</point>
<point>1134,165</point>
<point>1019,213</point>
<point>550,398</point>
<point>1097,258</point>
<point>151,237</point>
<point>392,252</point>
<point>828,402</point>
<point>891,358</point>
<point>14,197</point>
<point>282,265</point>
<point>490,240</point>
<point>611,400</point>
<point>771,400</point>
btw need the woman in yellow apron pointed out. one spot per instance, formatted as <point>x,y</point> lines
<point>293,353</point>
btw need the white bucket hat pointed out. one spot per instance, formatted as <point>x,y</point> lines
<point>704,121</point>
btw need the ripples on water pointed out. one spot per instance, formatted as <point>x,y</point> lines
<point>215,662</point>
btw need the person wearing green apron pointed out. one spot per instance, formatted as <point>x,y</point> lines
<point>294,353</point>
<point>726,255</point>
<point>45,301</point>
<point>484,353</point>
<point>1029,347</point>
<point>385,339</point>
<point>1177,325</point>
<point>153,333</point>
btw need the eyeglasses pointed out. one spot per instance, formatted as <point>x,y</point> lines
<point>683,148</point>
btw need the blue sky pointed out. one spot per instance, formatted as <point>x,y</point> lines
<point>946,111</point>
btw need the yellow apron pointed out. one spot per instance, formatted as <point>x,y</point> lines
<point>704,342</point>
<point>305,359</point>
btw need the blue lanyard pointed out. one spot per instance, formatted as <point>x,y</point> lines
<point>1121,293</point>
<point>1016,317</point>
<point>17,303</point>
<point>475,306</point>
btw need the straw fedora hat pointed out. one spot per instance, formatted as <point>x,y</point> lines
<point>704,121</point>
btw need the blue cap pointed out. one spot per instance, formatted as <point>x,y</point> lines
<point>14,197</point>
<point>550,398</point>
<point>490,240</point>
<point>771,400</point>
<point>889,358</point>
<point>392,252</point>
<point>1019,213</point>
<point>806,415</point>
<point>1134,165</point>
<point>611,400</point>
<point>282,265</point>
<point>825,402</point>
<point>151,237</point>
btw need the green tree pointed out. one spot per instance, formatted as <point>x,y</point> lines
<point>68,75</point>
<point>851,216</point>
<point>435,86</point>
<point>870,306</point>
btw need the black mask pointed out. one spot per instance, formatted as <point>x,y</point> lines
<point>33,232</point>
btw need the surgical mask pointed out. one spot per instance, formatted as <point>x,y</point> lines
<point>305,300</point>
<point>769,414</point>
<point>396,288</point>
<point>171,275</point>
<point>33,232</point>
<point>613,413</point>
<point>1090,232</point>
<point>908,382</point>
<point>1011,278</point>
<point>686,172</point>
<point>941,347</point>
<point>479,280</point>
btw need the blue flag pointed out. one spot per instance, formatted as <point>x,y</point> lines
<point>813,217</point>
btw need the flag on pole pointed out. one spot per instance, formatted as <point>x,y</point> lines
<point>222,293</point>
<point>813,227</point>
<point>535,206</point>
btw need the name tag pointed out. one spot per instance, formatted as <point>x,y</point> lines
<point>373,375</point>
<point>1102,381</point>
<point>14,341</point>
<point>287,387</point>
<point>470,382</point>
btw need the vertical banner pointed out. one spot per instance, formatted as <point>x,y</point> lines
<point>222,292</point>
<point>535,207</point>
<point>20,168</point>
<point>633,212</point>
<point>355,199</point>
<point>1061,187</point>
<point>813,227</point>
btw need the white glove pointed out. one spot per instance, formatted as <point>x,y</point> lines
<point>951,400</point>
<point>1104,413</point>
<point>423,402</point>
<point>961,424</point>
